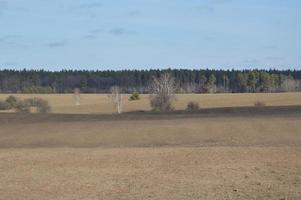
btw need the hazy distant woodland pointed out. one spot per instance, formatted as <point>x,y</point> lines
<point>188,81</point>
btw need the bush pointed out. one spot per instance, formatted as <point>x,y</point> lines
<point>135,96</point>
<point>23,106</point>
<point>159,104</point>
<point>26,105</point>
<point>4,105</point>
<point>259,104</point>
<point>12,101</point>
<point>193,106</point>
<point>42,105</point>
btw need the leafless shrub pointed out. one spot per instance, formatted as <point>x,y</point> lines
<point>192,106</point>
<point>162,93</point>
<point>259,104</point>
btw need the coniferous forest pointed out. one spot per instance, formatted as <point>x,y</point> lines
<point>188,81</point>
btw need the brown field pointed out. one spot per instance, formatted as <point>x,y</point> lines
<point>100,103</point>
<point>222,154</point>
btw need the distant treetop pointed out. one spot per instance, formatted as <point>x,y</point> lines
<point>188,81</point>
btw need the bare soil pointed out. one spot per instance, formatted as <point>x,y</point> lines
<point>151,173</point>
<point>240,153</point>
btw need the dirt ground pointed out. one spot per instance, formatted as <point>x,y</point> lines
<point>175,157</point>
<point>151,173</point>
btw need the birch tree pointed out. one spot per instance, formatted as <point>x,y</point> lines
<point>116,98</point>
<point>76,96</point>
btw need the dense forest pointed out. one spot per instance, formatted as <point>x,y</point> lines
<point>198,81</point>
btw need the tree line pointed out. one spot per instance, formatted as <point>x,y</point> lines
<point>188,81</point>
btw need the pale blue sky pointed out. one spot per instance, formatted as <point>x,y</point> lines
<point>120,34</point>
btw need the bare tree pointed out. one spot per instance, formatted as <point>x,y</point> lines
<point>76,96</point>
<point>162,92</point>
<point>116,98</point>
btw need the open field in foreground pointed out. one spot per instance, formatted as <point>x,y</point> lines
<point>222,156</point>
<point>151,173</point>
<point>100,103</point>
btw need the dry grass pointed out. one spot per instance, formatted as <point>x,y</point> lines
<point>100,103</point>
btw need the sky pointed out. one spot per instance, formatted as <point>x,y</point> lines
<point>143,34</point>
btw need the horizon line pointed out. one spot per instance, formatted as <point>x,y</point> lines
<point>151,69</point>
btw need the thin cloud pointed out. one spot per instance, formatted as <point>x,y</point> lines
<point>134,13</point>
<point>205,9</point>
<point>270,47</point>
<point>209,38</point>
<point>91,5</point>
<point>90,37</point>
<point>117,31</point>
<point>3,3</point>
<point>299,57</point>
<point>55,44</point>
<point>211,6</point>
<point>92,34</point>
<point>3,6</point>
<point>10,64</point>
<point>251,61</point>
<point>220,1</point>
<point>88,9</point>
<point>9,39</point>
<point>96,31</point>
<point>274,58</point>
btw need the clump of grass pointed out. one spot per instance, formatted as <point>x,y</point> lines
<point>192,106</point>
<point>259,104</point>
